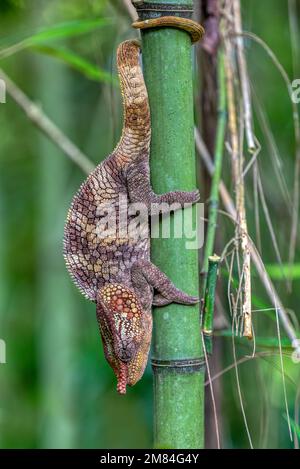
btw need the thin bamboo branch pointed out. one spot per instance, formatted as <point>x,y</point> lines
<point>283,378</point>
<point>237,165</point>
<point>256,207</point>
<point>210,262</point>
<point>130,9</point>
<point>209,302</point>
<point>208,161</point>
<point>296,120</point>
<point>42,121</point>
<point>244,81</point>
<point>214,194</point>
<point>256,259</point>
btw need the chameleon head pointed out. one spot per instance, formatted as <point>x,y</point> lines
<point>126,333</point>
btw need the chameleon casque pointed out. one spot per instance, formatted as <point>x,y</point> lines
<point>115,271</point>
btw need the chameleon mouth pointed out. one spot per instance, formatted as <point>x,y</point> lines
<point>122,378</point>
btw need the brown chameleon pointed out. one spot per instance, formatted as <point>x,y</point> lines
<point>112,269</point>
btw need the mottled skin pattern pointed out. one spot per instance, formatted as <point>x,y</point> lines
<point>115,270</point>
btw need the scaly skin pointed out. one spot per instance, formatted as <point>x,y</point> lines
<point>115,270</point>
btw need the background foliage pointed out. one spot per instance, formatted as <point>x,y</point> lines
<point>56,389</point>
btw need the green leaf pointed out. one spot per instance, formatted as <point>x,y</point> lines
<point>54,32</point>
<point>284,271</point>
<point>68,29</point>
<point>78,63</point>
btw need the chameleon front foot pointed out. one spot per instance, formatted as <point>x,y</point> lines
<point>176,198</point>
<point>181,197</point>
<point>160,300</point>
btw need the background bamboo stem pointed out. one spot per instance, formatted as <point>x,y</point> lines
<point>209,271</point>
<point>56,326</point>
<point>214,194</point>
<point>237,167</point>
<point>209,301</point>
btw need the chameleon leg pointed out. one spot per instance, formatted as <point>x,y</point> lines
<point>145,273</point>
<point>140,190</point>
<point>159,300</point>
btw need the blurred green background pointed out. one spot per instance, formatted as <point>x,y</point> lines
<point>56,389</point>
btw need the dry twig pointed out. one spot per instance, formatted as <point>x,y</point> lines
<point>244,81</point>
<point>131,10</point>
<point>237,165</point>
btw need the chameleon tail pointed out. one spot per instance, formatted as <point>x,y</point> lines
<point>136,134</point>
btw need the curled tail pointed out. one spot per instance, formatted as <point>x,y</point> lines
<point>136,134</point>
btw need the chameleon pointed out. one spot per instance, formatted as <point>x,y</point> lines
<point>114,270</point>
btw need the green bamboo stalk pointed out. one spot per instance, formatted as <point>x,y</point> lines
<point>210,263</point>
<point>178,386</point>
<point>214,194</point>
<point>209,301</point>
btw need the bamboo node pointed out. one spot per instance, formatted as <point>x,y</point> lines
<point>160,8</point>
<point>191,365</point>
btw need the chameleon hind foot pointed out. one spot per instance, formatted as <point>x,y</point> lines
<point>145,274</point>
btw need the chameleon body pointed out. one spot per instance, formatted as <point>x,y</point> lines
<point>115,270</point>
